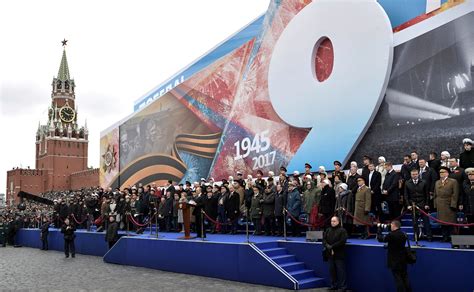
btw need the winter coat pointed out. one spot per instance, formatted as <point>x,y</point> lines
<point>396,252</point>
<point>311,197</point>
<point>280,203</point>
<point>334,239</point>
<point>232,206</point>
<point>111,234</point>
<point>468,187</point>
<point>256,207</point>
<point>345,200</point>
<point>68,233</point>
<point>446,199</point>
<point>210,206</point>
<point>328,201</point>
<point>268,204</point>
<point>391,186</point>
<point>293,204</point>
<point>466,159</point>
<point>362,204</point>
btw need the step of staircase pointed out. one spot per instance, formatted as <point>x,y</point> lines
<point>282,259</point>
<point>305,277</point>
<point>313,282</point>
<point>293,266</point>
<point>302,274</point>
<point>266,245</point>
<point>275,251</point>
<point>407,228</point>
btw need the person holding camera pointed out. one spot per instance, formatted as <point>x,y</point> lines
<point>396,254</point>
<point>334,243</point>
<point>68,230</point>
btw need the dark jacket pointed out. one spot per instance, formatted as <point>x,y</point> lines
<point>68,232</point>
<point>171,189</point>
<point>248,194</point>
<point>112,232</point>
<point>232,205</point>
<point>468,203</point>
<point>435,164</point>
<point>328,201</point>
<point>261,183</point>
<point>63,211</point>
<point>429,176</point>
<point>346,201</point>
<point>417,194</point>
<point>268,204</point>
<point>405,171</point>
<point>280,202</point>
<point>391,186</point>
<point>168,207</point>
<point>365,173</point>
<point>293,204</point>
<point>466,159</point>
<point>352,182</point>
<point>334,239</point>
<point>256,206</point>
<point>375,182</point>
<point>396,252</point>
<point>44,230</point>
<point>210,206</point>
<point>459,174</point>
<point>200,203</point>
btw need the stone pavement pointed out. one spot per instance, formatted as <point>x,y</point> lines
<point>30,269</point>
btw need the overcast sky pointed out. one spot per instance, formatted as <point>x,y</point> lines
<point>117,51</point>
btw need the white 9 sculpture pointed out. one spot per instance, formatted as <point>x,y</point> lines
<point>341,106</point>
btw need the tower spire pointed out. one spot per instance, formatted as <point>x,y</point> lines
<point>63,73</point>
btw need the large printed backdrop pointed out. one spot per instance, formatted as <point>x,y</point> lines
<point>221,118</point>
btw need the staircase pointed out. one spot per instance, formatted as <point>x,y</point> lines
<point>305,278</point>
<point>407,226</point>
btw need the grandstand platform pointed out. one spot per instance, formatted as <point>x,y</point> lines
<point>273,261</point>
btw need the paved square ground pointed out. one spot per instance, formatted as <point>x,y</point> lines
<point>32,269</point>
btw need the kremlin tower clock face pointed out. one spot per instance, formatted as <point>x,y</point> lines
<point>67,114</point>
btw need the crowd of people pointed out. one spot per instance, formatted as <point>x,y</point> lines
<point>373,192</point>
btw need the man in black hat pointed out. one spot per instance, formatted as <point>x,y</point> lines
<point>338,171</point>
<point>283,179</point>
<point>307,169</point>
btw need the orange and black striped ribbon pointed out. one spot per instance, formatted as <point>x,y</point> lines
<point>159,168</point>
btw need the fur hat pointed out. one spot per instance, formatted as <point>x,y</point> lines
<point>343,186</point>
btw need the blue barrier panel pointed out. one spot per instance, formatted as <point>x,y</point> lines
<point>436,269</point>
<point>89,243</point>
<point>229,261</point>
